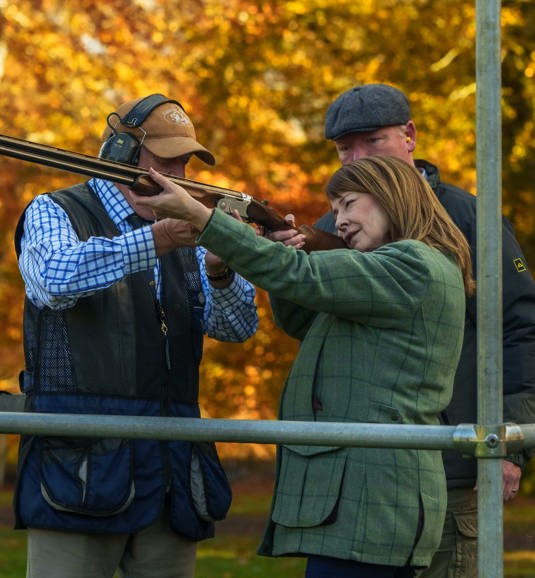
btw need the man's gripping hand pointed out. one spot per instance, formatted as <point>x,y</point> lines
<point>170,234</point>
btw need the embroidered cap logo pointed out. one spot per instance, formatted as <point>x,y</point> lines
<point>176,116</point>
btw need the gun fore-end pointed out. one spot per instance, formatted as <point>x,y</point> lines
<point>318,240</point>
<point>143,185</point>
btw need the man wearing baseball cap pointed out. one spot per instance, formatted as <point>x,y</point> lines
<point>375,119</point>
<point>115,312</point>
<point>159,124</point>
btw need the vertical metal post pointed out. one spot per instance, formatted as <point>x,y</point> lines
<point>489,277</point>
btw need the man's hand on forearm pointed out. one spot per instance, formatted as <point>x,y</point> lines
<point>170,234</point>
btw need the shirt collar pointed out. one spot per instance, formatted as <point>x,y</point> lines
<point>113,200</point>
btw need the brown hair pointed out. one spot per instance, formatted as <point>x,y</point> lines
<point>410,203</point>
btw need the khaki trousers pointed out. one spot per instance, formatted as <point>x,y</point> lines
<point>456,556</point>
<point>155,552</point>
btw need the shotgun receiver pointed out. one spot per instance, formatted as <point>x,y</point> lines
<point>138,180</point>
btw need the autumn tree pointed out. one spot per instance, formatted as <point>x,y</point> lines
<point>256,78</point>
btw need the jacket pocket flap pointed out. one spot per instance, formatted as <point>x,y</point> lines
<point>384,413</point>
<point>310,450</point>
<point>309,487</point>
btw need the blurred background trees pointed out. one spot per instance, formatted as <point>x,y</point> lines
<point>256,78</point>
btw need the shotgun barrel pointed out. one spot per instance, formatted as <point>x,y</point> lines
<point>138,179</point>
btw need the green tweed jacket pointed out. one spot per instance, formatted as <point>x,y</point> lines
<point>381,335</point>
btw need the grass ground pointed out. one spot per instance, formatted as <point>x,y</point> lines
<point>232,553</point>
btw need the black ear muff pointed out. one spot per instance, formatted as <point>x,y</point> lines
<point>124,147</point>
<point>121,147</point>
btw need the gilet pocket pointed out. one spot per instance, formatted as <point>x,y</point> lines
<point>210,490</point>
<point>309,485</point>
<point>91,477</point>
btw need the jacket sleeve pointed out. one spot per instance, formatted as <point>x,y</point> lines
<point>518,289</point>
<point>518,334</point>
<point>518,312</point>
<point>381,287</point>
<point>292,319</point>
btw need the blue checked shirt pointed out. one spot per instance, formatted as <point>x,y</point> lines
<point>58,268</point>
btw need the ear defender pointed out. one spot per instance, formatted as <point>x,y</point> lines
<point>124,147</point>
<point>121,147</point>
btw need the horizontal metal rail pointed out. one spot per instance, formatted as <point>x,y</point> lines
<point>228,430</point>
<point>466,438</point>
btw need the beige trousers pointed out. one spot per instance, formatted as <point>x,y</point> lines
<point>155,552</point>
<point>456,556</point>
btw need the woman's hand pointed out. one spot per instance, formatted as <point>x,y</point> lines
<point>174,201</point>
<point>290,237</point>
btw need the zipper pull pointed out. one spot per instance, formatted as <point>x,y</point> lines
<point>163,327</point>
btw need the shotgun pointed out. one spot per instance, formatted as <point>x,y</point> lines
<point>250,209</point>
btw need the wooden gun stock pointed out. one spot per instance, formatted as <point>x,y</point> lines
<point>138,179</point>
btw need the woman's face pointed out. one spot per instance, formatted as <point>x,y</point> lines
<point>361,221</point>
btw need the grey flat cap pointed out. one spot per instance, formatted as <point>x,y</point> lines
<point>366,108</point>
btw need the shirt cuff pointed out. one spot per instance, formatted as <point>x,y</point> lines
<point>139,251</point>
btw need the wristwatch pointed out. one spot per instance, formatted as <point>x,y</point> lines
<point>227,274</point>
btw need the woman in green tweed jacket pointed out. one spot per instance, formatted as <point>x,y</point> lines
<point>381,325</point>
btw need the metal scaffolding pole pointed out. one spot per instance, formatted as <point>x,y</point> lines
<point>489,268</point>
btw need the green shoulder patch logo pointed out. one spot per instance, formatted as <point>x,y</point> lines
<point>519,264</point>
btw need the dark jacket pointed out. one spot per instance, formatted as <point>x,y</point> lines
<point>518,331</point>
<point>108,355</point>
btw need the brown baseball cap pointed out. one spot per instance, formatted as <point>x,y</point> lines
<point>169,130</point>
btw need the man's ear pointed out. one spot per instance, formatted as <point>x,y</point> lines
<point>410,135</point>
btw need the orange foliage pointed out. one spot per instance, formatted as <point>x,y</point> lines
<point>256,78</point>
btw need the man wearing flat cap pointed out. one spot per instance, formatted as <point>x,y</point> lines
<point>375,119</point>
<point>115,312</point>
